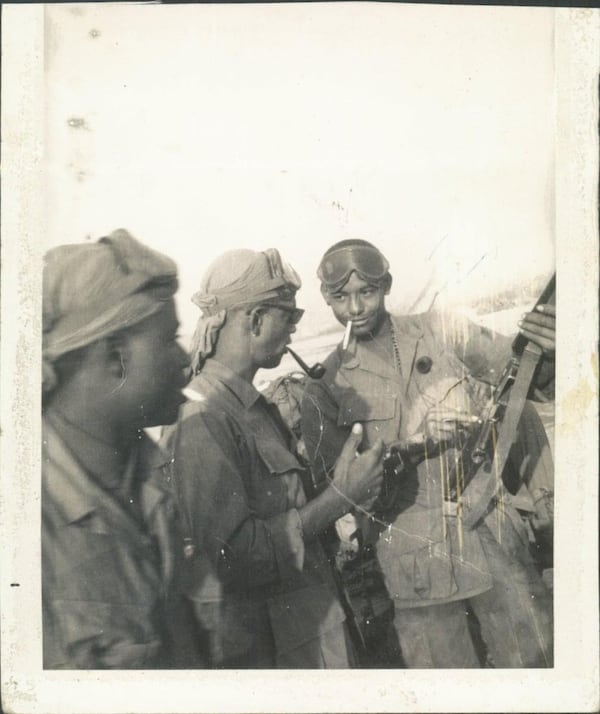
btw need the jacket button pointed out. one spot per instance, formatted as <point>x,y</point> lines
<point>424,365</point>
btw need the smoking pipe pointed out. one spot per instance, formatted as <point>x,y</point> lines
<point>314,372</point>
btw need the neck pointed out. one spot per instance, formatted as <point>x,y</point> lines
<point>232,351</point>
<point>94,423</point>
<point>385,326</point>
<point>237,366</point>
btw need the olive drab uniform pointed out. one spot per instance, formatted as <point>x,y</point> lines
<point>432,565</point>
<point>111,590</point>
<point>240,484</point>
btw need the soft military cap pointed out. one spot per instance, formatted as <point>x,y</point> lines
<point>92,290</point>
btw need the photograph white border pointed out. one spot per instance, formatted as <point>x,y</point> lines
<point>572,685</point>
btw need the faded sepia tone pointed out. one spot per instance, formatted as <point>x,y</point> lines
<point>213,128</point>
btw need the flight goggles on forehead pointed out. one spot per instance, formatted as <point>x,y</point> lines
<point>337,266</point>
<point>280,271</point>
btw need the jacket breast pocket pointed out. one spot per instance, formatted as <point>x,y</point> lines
<point>442,381</point>
<point>92,566</point>
<point>276,457</point>
<point>280,486</point>
<point>378,407</point>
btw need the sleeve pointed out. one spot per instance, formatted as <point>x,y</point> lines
<point>87,622</point>
<point>322,436</point>
<point>486,353</point>
<point>210,464</point>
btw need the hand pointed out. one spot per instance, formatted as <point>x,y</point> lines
<point>539,326</point>
<point>359,477</point>
<point>446,424</point>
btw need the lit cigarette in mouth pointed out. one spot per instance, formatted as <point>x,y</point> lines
<point>347,332</point>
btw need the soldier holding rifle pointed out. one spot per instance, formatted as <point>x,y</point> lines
<point>423,379</point>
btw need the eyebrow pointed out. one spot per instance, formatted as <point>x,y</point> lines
<point>368,286</point>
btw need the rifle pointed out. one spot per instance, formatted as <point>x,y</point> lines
<point>487,446</point>
<point>487,449</point>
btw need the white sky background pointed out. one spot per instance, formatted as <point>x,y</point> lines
<point>372,97</point>
<point>428,130</point>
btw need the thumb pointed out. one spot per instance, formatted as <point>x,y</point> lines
<point>377,449</point>
<point>352,443</point>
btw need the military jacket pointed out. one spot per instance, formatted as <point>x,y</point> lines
<point>426,556</point>
<point>111,597</point>
<point>240,486</point>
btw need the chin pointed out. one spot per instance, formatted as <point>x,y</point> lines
<point>273,361</point>
<point>168,413</point>
<point>372,326</point>
<point>366,331</point>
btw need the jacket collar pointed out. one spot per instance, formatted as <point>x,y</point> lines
<point>77,494</point>
<point>361,355</point>
<point>216,373</point>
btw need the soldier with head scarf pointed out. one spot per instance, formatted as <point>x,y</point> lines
<point>421,379</point>
<point>111,367</point>
<point>242,488</point>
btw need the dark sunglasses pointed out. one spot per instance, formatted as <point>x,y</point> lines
<point>294,313</point>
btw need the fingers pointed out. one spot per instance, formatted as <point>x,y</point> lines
<point>350,448</point>
<point>547,309</point>
<point>537,319</point>
<point>445,421</point>
<point>539,326</point>
<point>546,343</point>
<point>372,457</point>
<point>544,316</point>
<point>376,450</point>
<point>364,474</point>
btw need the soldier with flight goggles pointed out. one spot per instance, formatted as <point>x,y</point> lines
<point>424,378</point>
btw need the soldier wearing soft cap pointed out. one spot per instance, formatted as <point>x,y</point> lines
<point>271,601</point>
<point>111,553</point>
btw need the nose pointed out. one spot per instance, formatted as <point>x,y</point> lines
<point>355,306</point>
<point>291,329</point>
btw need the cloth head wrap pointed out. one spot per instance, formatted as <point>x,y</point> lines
<point>238,277</point>
<point>92,290</point>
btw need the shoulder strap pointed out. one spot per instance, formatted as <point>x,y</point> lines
<point>490,475</point>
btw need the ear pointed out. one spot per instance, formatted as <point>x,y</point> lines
<point>386,284</point>
<point>256,315</point>
<point>116,356</point>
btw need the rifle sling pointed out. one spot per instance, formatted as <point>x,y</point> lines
<point>506,436</point>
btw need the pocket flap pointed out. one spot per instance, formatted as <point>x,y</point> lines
<point>424,561</point>
<point>276,457</point>
<point>380,407</point>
